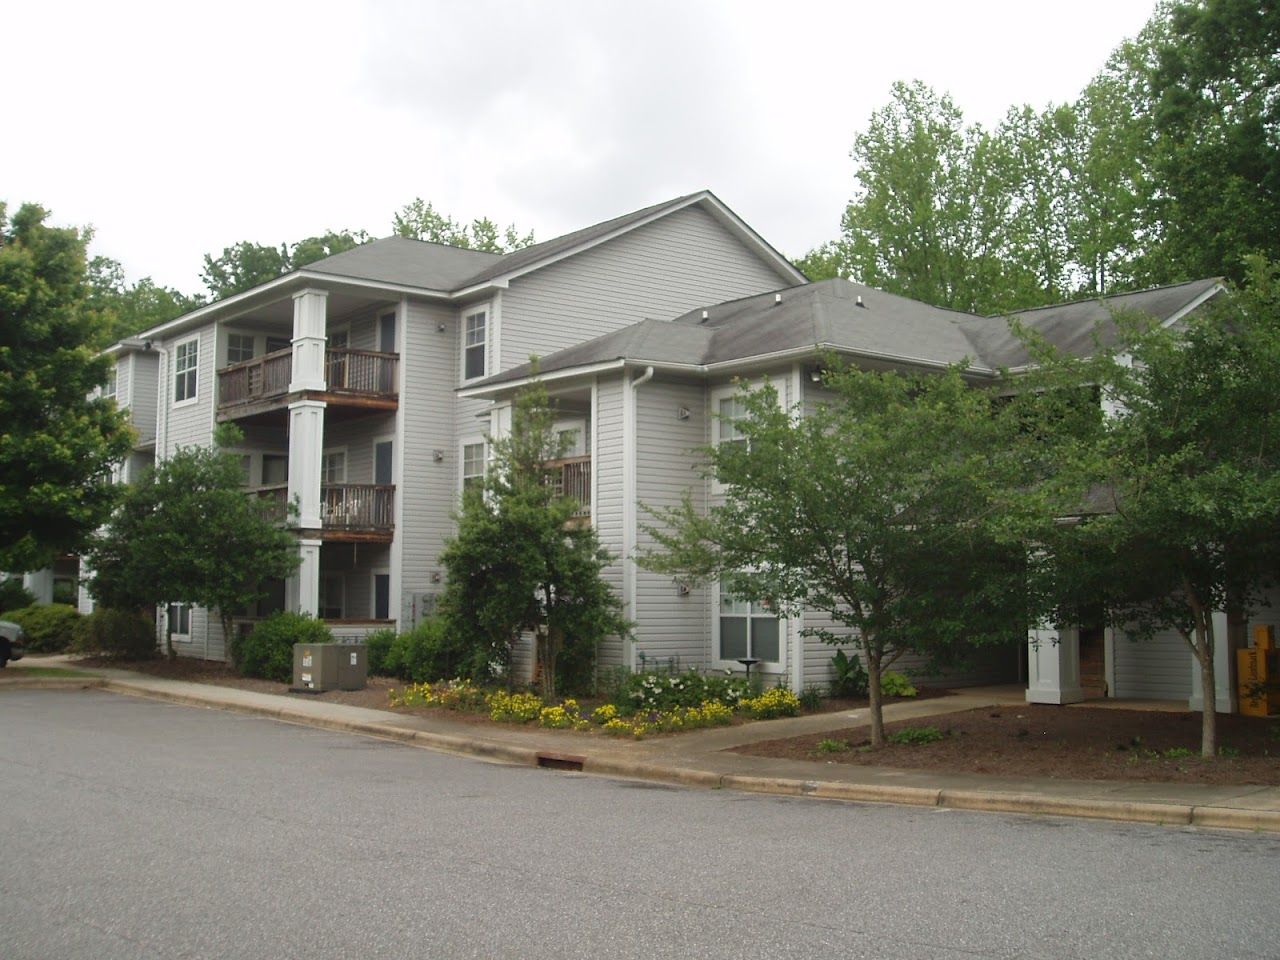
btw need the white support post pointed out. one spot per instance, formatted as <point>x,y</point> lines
<point>309,330</point>
<point>306,450</point>
<point>1224,693</point>
<point>1053,666</point>
<point>302,590</point>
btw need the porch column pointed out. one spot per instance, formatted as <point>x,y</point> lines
<point>1053,665</point>
<point>302,590</point>
<point>309,325</point>
<point>306,448</point>
<point>1224,692</point>
<point>40,582</point>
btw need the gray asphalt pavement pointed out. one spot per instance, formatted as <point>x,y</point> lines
<point>130,828</point>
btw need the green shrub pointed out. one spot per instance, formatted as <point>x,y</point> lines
<point>894,684</point>
<point>915,736</point>
<point>849,677</point>
<point>778,702</point>
<point>50,627</point>
<point>377,646</point>
<point>423,655</point>
<point>811,699</point>
<point>267,650</point>
<point>832,746</point>
<point>66,592</point>
<point>14,596</point>
<point>116,633</point>
<point>661,691</point>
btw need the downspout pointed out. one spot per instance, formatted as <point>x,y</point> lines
<point>629,504</point>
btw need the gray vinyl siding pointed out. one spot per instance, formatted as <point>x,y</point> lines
<point>356,564</point>
<point>191,424</point>
<point>607,510</point>
<point>426,490</point>
<point>357,437</point>
<point>1155,669</point>
<point>657,271</point>
<point>142,395</point>
<point>667,461</point>
<point>124,382</point>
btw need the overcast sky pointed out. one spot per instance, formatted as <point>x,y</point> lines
<point>177,129</point>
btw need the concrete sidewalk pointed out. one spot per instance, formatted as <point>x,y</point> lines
<point>700,758</point>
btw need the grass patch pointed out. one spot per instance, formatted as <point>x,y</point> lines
<point>916,736</point>
<point>832,746</point>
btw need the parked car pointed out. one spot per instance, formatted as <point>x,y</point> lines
<point>12,642</point>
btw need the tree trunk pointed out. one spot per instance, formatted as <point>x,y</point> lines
<point>1203,647</point>
<point>873,693</point>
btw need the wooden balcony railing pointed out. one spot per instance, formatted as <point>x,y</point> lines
<point>343,506</point>
<point>358,506</point>
<point>256,379</point>
<point>571,477</point>
<point>362,372</point>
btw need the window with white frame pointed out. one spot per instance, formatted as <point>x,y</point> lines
<point>179,622</point>
<point>730,411</point>
<point>474,344</point>
<point>473,464</point>
<point>747,630</point>
<point>109,387</point>
<point>239,347</point>
<point>186,360</point>
<point>333,466</point>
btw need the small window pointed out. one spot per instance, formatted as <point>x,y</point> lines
<point>382,596</point>
<point>731,410</point>
<point>748,630</point>
<point>333,467</point>
<point>186,359</point>
<point>239,347</point>
<point>109,387</point>
<point>473,345</point>
<point>275,469</point>
<point>179,621</point>
<point>473,456</point>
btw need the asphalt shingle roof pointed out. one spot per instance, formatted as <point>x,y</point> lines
<point>406,262</point>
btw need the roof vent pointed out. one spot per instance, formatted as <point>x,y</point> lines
<point>859,302</point>
<point>777,299</point>
<point>704,316</point>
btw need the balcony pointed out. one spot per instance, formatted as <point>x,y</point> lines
<point>353,378</point>
<point>571,477</point>
<point>353,512</point>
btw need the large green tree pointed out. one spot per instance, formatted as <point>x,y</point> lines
<point>896,508</point>
<point>1189,462</point>
<point>523,562</point>
<point>58,444</point>
<point>129,308</point>
<point>187,532</point>
<point>245,265</point>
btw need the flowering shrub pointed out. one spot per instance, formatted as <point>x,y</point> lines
<point>708,714</point>
<point>778,702</point>
<point>894,684</point>
<point>566,716</point>
<point>603,714</point>
<point>453,694</point>
<point>655,691</point>
<point>513,707</point>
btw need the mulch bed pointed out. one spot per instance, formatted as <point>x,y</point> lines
<point>1068,743</point>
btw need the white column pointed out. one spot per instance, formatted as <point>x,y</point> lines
<point>1224,697</point>
<point>309,323</point>
<point>40,582</point>
<point>306,448</point>
<point>302,590</point>
<point>1053,666</point>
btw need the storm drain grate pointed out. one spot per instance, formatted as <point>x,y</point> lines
<point>560,761</point>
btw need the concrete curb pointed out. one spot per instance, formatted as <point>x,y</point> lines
<point>612,765</point>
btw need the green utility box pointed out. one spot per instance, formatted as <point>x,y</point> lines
<point>318,667</point>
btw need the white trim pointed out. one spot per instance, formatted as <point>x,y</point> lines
<point>485,392</point>
<point>226,346</point>
<point>466,314</point>
<point>396,553</point>
<point>373,457</point>
<point>629,457</point>
<point>595,450</point>
<point>173,374</point>
<point>325,453</point>
<point>374,574</point>
<point>493,355</point>
<point>795,623</point>
<point>1209,294</point>
<point>771,667</point>
<point>470,440</point>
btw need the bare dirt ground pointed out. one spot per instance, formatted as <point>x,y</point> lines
<point>1069,743</point>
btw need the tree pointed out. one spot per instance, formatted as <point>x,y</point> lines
<point>58,444</point>
<point>1190,462</point>
<point>521,562</point>
<point>188,533</point>
<point>421,221</point>
<point>126,309</point>
<point>245,265</point>
<point>898,509</point>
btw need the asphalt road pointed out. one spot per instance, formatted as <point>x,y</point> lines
<point>135,829</point>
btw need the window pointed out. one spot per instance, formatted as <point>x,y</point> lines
<point>473,457</point>
<point>275,469</point>
<point>382,596</point>
<point>186,358</point>
<point>239,347</point>
<point>747,630</point>
<point>474,338</point>
<point>276,344</point>
<point>109,388</point>
<point>331,590</point>
<point>730,410</point>
<point>179,622</point>
<point>335,366</point>
<point>246,469</point>
<point>333,466</point>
